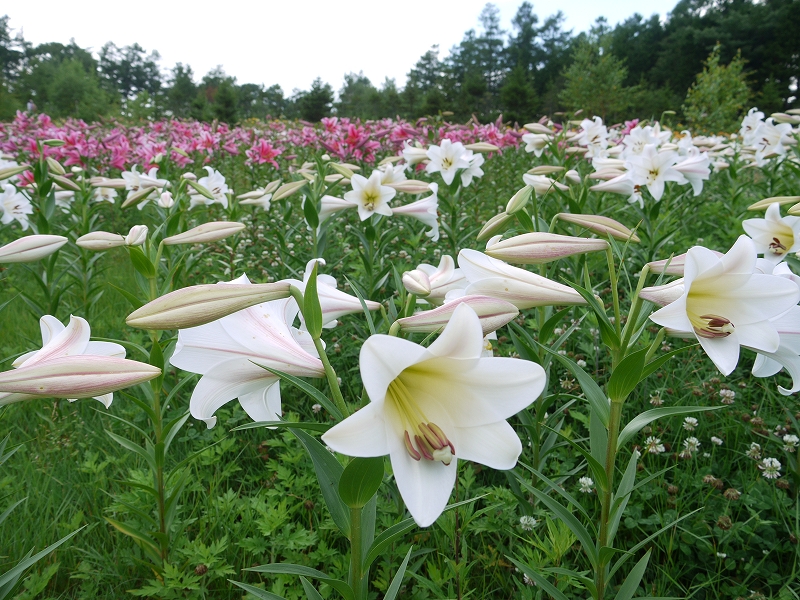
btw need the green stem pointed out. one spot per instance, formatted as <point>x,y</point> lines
<point>158,430</point>
<point>612,276</point>
<point>633,315</point>
<point>611,459</point>
<point>356,555</point>
<point>333,382</point>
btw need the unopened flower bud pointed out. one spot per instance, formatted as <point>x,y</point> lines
<point>663,294</point>
<point>325,157</point>
<point>545,170</point>
<point>136,236</point>
<point>201,304</point>
<point>165,200</point>
<point>342,170</point>
<point>272,186</point>
<point>100,240</point>
<point>409,186</point>
<point>493,314</point>
<point>207,232</point>
<point>538,128</point>
<point>417,283</point>
<point>766,202</point>
<point>137,197</point>
<point>55,166</point>
<point>519,200</point>
<point>189,176</point>
<point>601,225</point>
<point>66,184</point>
<point>496,225</point>
<point>11,171</point>
<point>158,158</point>
<point>31,248</point>
<point>573,177</point>
<point>53,143</point>
<point>540,247</point>
<point>288,189</point>
<point>481,147</point>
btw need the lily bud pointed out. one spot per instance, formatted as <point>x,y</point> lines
<point>11,171</point>
<point>201,304</point>
<point>166,200</point>
<point>409,186</point>
<point>794,210</point>
<point>417,283</point>
<point>545,170</point>
<point>54,143</point>
<point>538,128</point>
<point>77,376</point>
<point>765,203</point>
<point>519,200</point>
<point>414,155</point>
<point>601,225</point>
<point>780,117</point>
<point>663,294</point>
<point>272,186</point>
<point>137,197</point>
<point>100,240</point>
<point>189,176</point>
<point>539,248</point>
<point>342,170</point>
<point>606,174</point>
<point>492,313</point>
<point>207,232</point>
<point>482,147</point>
<point>136,236</point>
<point>573,177</point>
<point>390,160</point>
<point>676,264</point>
<point>117,184</point>
<point>31,248</point>
<point>288,189</point>
<point>200,189</point>
<point>576,150</point>
<point>65,183</point>
<point>55,166</point>
<point>543,185</point>
<point>336,177</point>
<point>494,226</point>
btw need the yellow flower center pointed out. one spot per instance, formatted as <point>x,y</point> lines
<point>446,163</point>
<point>422,438</point>
<point>370,200</point>
<point>778,248</point>
<point>711,326</point>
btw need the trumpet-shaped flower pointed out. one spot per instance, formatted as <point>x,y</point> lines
<point>443,279</point>
<point>214,182</point>
<point>430,406</point>
<point>228,352</point>
<point>447,159</point>
<point>370,196</point>
<point>473,170</point>
<point>491,277</point>
<point>774,236</point>
<point>695,169</point>
<point>59,341</point>
<point>654,169</point>
<point>594,136</point>
<point>536,142</point>
<point>622,184</point>
<point>750,124</point>
<point>425,210</point>
<point>727,304</point>
<point>392,173</point>
<point>14,206</point>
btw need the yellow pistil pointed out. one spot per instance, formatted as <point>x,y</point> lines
<point>711,326</point>
<point>422,438</point>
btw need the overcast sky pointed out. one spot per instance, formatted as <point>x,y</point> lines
<point>290,42</point>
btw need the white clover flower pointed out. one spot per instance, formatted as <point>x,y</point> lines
<point>689,423</point>
<point>716,441</point>
<point>316,408</point>
<point>581,363</point>
<point>727,396</point>
<point>656,400</point>
<point>691,444</point>
<point>755,451</point>
<point>527,523</point>
<point>653,445</point>
<point>586,484</point>
<point>770,468</point>
<point>721,555</point>
<point>790,443</point>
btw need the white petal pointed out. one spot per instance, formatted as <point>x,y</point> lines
<point>673,315</point>
<point>462,337</point>
<point>383,358</point>
<point>71,341</point>
<point>759,336</point>
<point>364,433</point>
<point>263,404</point>
<point>724,352</point>
<point>495,445</point>
<point>50,327</point>
<point>105,349</point>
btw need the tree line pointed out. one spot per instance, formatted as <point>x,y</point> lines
<point>640,67</point>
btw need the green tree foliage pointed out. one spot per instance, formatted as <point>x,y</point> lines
<point>316,102</point>
<point>129,70</point>
<point>181,92</point>
<point>594,82</point>
<point>719,96</point>
<point>359,98</point>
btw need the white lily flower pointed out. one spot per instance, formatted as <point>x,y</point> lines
<point>536,142</point>
<point>473,170</point>
<point>227,353</point>
<point>413,155</point>
<point>637,139</point>
<point>543,185</point>
<point>787,355</point>
<point>14,206</point>
<point>135,181</point>
<point>136,236</point>
<point>594,136</point>
<point>727,304</point>
<point>654,169</point>
<point>105,194</point>
<point>447,159</point>
<point>425,210</point>
<point>771,140</point>
<point>491,277</point>
<point>370,196</point>
<point>774,236</point>
<point>431,406</point>
<point>750,124</point>
<point>392,173</point>
<point>214,182</point>
<point>165,200</point>
<point>59,341</point>
<point>694,168</point>
<point>622,184</point>
<point>443,279</point>
<point>258,197</point>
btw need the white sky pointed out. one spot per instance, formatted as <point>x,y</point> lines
<point>292,41</point>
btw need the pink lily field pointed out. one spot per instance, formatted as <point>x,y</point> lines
<point>399,359</point>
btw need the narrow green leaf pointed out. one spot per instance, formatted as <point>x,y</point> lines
<point>141,263</point>
<point>289,569</point>
<point>172,428</point>
<point>553,486</point>
<point>134,447</point>
<point>139,536</point>
<point>27,562</point>
<point>311,593</point>
<point>622,494</point>
<point>360,481</point>
<point>639,421</point>
<point>312,311</point>
<point>7,511</point>
<point>626,376</point>
<point>132,298</point>
<point>329,472</point>
<point>367,312</point>
<point>386,538</point>
<point>654,365</point>
<point>548,587</point>
<point>258,593</point>
<point>607,329</point>
<point>394,587</point>
<point>631,583</point>
<point>550,325</point>
<point>318,427</point>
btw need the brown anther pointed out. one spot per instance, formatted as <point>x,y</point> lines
<point>716,327</point>
<point>410,447</point>
<point>776,247</point>
<point>424,447</point>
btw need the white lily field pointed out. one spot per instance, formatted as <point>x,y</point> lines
<point>399,359</point>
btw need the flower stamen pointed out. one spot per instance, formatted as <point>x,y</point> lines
<point>422,438</point>
<point>712,326</point>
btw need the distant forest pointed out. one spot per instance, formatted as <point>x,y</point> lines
<point>637,68</point>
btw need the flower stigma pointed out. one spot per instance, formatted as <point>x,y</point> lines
<point>422,438</point>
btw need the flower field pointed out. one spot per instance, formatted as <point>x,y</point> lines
<point>577,343</point>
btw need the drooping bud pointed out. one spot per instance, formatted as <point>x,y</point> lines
<point>201,304</point>
<point>272,186</point>
<point>519,200</point>
<point>663,294</point>
<point>409,186</point>
<point>538,128</point>
<point>545,170</point>
<point>341,170</point>
<point>482,147</point>
<point>543,185</point>
<point>672,266</point>
<point>601,225</point>
<point>11,171</point>
<point>417,283</point>
<point>495,226</point>
<point>288,189</point>
<point>573,177</point>
<point>540,247</point>
<point>492,313</point>
<point>137,197</point>
<point>166,200</point>
<point>189,176</point>
<point>207,232</point>
<point>766,202</point>
<point>77,376</point>
<point>100,240</point>
<point>117,184</point>
<point>31,248</point>
<point>66,184</point>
